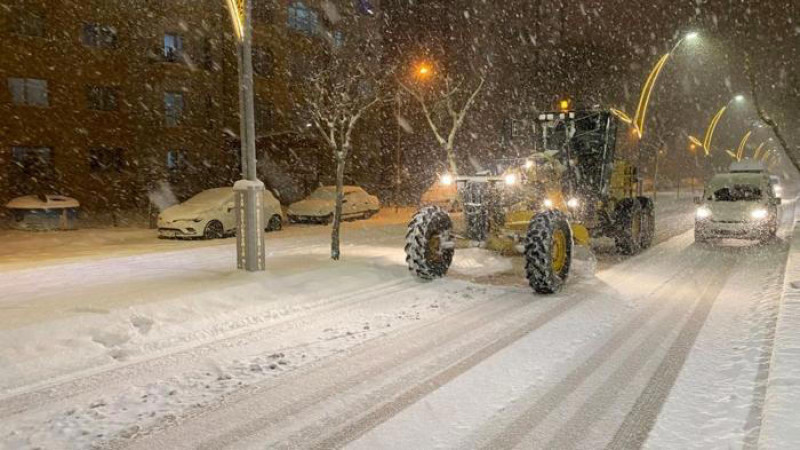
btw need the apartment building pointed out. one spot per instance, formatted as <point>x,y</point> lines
<point>104,99</point>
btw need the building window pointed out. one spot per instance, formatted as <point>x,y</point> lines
<point>173,108</point>
<point>99,36</point>
<point>101,98</point>
<point>36,162</point>
<point>28,91</point>
<point>338,38</point>
<point>29,23</point>
<point>302,19</point>
<point>173,47</point>
<point>106,159</point>
<point>208,55</point>
<point>262,61</point>
<point>264,116</point>
<point>176,160</point>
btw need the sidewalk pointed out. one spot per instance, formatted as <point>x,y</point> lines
<point>780,426</point>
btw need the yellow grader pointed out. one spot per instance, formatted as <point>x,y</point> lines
<point>572,188</point>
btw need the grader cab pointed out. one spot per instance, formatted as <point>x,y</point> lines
<point>571,188</point>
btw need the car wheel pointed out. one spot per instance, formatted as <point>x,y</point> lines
<point>275,223</point>
<point>214,230</point>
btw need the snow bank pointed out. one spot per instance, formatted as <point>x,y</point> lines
<point>780,427</point>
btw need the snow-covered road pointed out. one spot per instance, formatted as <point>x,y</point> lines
<point>174,349</point>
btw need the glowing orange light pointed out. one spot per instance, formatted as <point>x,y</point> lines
<point>564,105</point>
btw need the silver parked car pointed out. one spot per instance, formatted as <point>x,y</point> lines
<point>319,206</point>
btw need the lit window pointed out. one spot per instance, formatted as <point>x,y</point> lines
<point>173,47</point>
<point>302,19</point>
<point>28,91</point>
<point>176,160</point>
<point>173,108</point>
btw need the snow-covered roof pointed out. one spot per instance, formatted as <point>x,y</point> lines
<point>746,165</point>
<point>49,202</point>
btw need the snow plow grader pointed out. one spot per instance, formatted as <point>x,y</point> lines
<point>572,188</point>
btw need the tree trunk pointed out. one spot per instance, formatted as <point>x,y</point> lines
<point>451,159</point>
<point>337,215</point>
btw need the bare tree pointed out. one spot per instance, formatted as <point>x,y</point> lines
<point>446,100</point>
<point>762,114</point>
<point>338,97</point>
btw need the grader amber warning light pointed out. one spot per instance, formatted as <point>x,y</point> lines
<point>572,187</point>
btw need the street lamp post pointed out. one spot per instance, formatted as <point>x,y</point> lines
<point>249,190</point>
<point>713,125</point>
<point>647,89</point>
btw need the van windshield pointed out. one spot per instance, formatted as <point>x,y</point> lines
<point>737,192</point>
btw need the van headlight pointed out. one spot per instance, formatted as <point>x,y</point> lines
<point>548,203</point>
<point>510,179</point>
<point>703,212</point>
<point>759,213</point>
<point>446,179</point>
<point>573,203</point>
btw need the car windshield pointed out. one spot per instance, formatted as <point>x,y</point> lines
<point>737,192</point>
<point>326,193</point>
<point>210,196</point>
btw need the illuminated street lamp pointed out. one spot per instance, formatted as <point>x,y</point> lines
<point>249,190</point>
<point>647,89</point>
<point>706,144</point>
<point>424,70</point>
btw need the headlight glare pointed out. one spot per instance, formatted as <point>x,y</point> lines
<point>548,203</point>
<point>703,212</point>
<point>510,179</point>
<point>573,203</point>
<point>759,213</point>
<point>446,179</point>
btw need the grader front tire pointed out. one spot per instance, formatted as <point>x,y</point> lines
<point>425,255</point>
<point>548,252</point>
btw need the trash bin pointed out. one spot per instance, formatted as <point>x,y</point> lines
<point>42,213</point>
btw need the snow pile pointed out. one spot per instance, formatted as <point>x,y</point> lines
<point>780,426</point>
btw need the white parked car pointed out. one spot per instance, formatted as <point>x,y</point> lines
<point>212,214</point>
<point>737,205</point>
<point>319,206</point>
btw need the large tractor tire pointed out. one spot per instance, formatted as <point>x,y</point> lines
<point>548,251</point>
<point>426,255</point>
<point>628,226</point>
<point>648,229</point>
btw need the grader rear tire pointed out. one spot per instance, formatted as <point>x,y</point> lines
<point>628,222</point>
<point>424,256</point>
<point>548,252</point>
<point>648,232</point>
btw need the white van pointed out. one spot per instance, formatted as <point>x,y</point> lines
<point>737,205</point>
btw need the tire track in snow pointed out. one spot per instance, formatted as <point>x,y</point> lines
<point>76,384</point>
<point>542,405</point>
<point>281,402</point>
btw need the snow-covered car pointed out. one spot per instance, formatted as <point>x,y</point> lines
<point>319,206</point>
<point>442,193</point>
<point>212,214</point>
<point>737,205</point>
